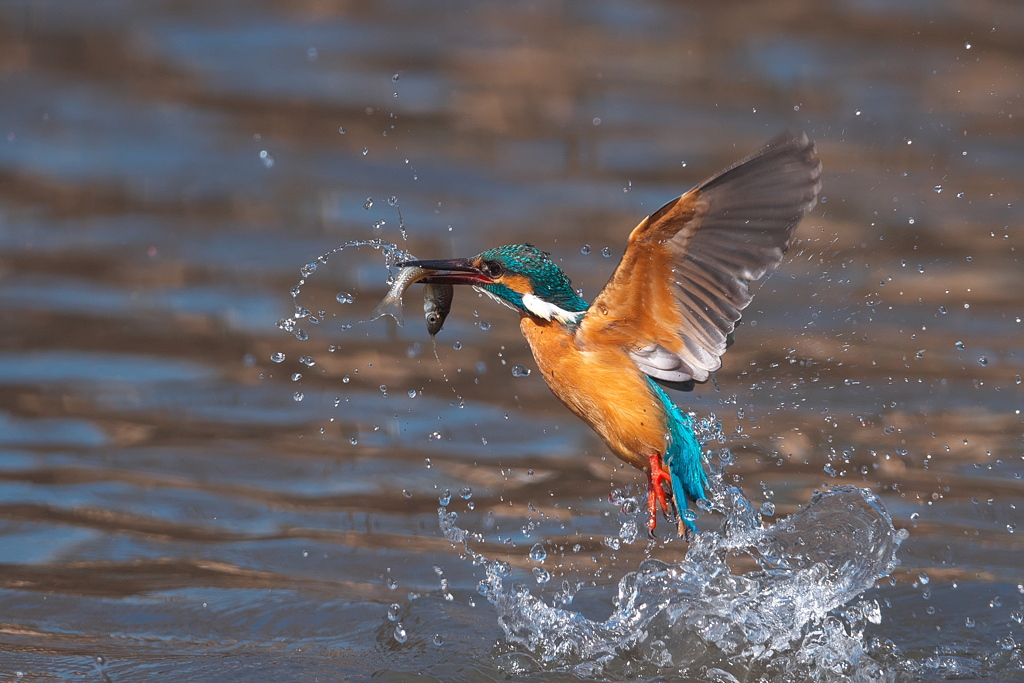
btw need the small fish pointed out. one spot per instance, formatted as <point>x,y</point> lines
<point>437,302</point>
<point>391,304</point>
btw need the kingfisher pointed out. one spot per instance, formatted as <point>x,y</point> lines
<point>664,318</point>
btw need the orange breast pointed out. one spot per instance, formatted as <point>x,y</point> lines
<point>603,387</point>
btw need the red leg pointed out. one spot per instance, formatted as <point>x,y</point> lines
<point>656,492</point>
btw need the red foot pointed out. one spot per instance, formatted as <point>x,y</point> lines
<point>656,492</point>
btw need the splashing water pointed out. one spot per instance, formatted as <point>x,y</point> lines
<point>795,617</point>
<point>392,254</point>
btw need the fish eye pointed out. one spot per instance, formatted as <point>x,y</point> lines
<point>493,269</point>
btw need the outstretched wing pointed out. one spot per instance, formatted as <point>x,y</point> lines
<point>677,294</point>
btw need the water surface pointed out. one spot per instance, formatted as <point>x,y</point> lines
<point>183,497</point>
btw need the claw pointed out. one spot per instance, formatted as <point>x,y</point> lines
<point>656,493</point>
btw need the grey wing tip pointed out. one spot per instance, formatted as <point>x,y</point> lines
<point>806,153</point>
<point>786,148</point>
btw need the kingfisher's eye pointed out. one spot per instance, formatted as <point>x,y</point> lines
<point>493,269</point>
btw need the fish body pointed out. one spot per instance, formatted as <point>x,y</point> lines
<point>391,304</point>
<point>437,302</point>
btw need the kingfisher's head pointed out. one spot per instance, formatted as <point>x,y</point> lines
<point>518,275</point>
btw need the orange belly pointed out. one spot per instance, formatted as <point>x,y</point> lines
<point>603,387</point>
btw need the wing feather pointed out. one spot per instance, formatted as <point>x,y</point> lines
<point>678,292</point>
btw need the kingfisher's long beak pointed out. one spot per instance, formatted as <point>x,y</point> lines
<point>459,271</point>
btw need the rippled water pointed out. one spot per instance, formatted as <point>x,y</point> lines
<point>190,490</point>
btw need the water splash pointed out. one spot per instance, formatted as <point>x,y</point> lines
<point>795,617</point>
<point>392,254</point>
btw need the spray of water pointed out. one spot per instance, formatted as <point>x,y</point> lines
<point>392,254</point>
<point>797,617</point>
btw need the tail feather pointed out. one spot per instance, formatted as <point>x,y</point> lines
<point>683,459</point>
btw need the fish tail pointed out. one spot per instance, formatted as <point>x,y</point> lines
<point>389,306</point>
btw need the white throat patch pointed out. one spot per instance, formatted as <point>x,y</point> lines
<point>549,311</point>
<point>538,307</point>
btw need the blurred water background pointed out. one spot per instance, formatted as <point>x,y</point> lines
<point>187,492</point>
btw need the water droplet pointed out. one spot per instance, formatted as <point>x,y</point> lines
<point>368,203</point>
<point>942,310</point>
<point>541,575</point>
<point>301,335</point>
<point>537,553</point>
<point>354,441</point>
<point>606,252</point>
<point>585,249</point>
<point>384,389</point>
<point>346,379</point>
<point>445,498</point>
<point>400,634</point>
<point>298,396</point>
<point>938,189</point>
<point>307,361</point>
<point>366,151</point>
<point>438,639</point>
<point>412,393</point>
<point>426,462</point>
<point>484,325</point>
<point>307,269</point>
<point>277,357</point>
<point>457,346</point>
<point>959,345</point>
<point>344,298</point>
<point>768,508</point>
<point>923,578</point>
<point>519,370</point>
<point>969,622</point>
<point>612,542</point>
<point>392,201</point>
<point>983,361</point>
<point>465,493</point>
<point>628,530</point>
<point>910,220</point>
<point>341,129</point>
<point>967,46</point>
<point>394,611</point>
<point>267,158</point>
<point>296,377</point>
<point>394,79</point>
